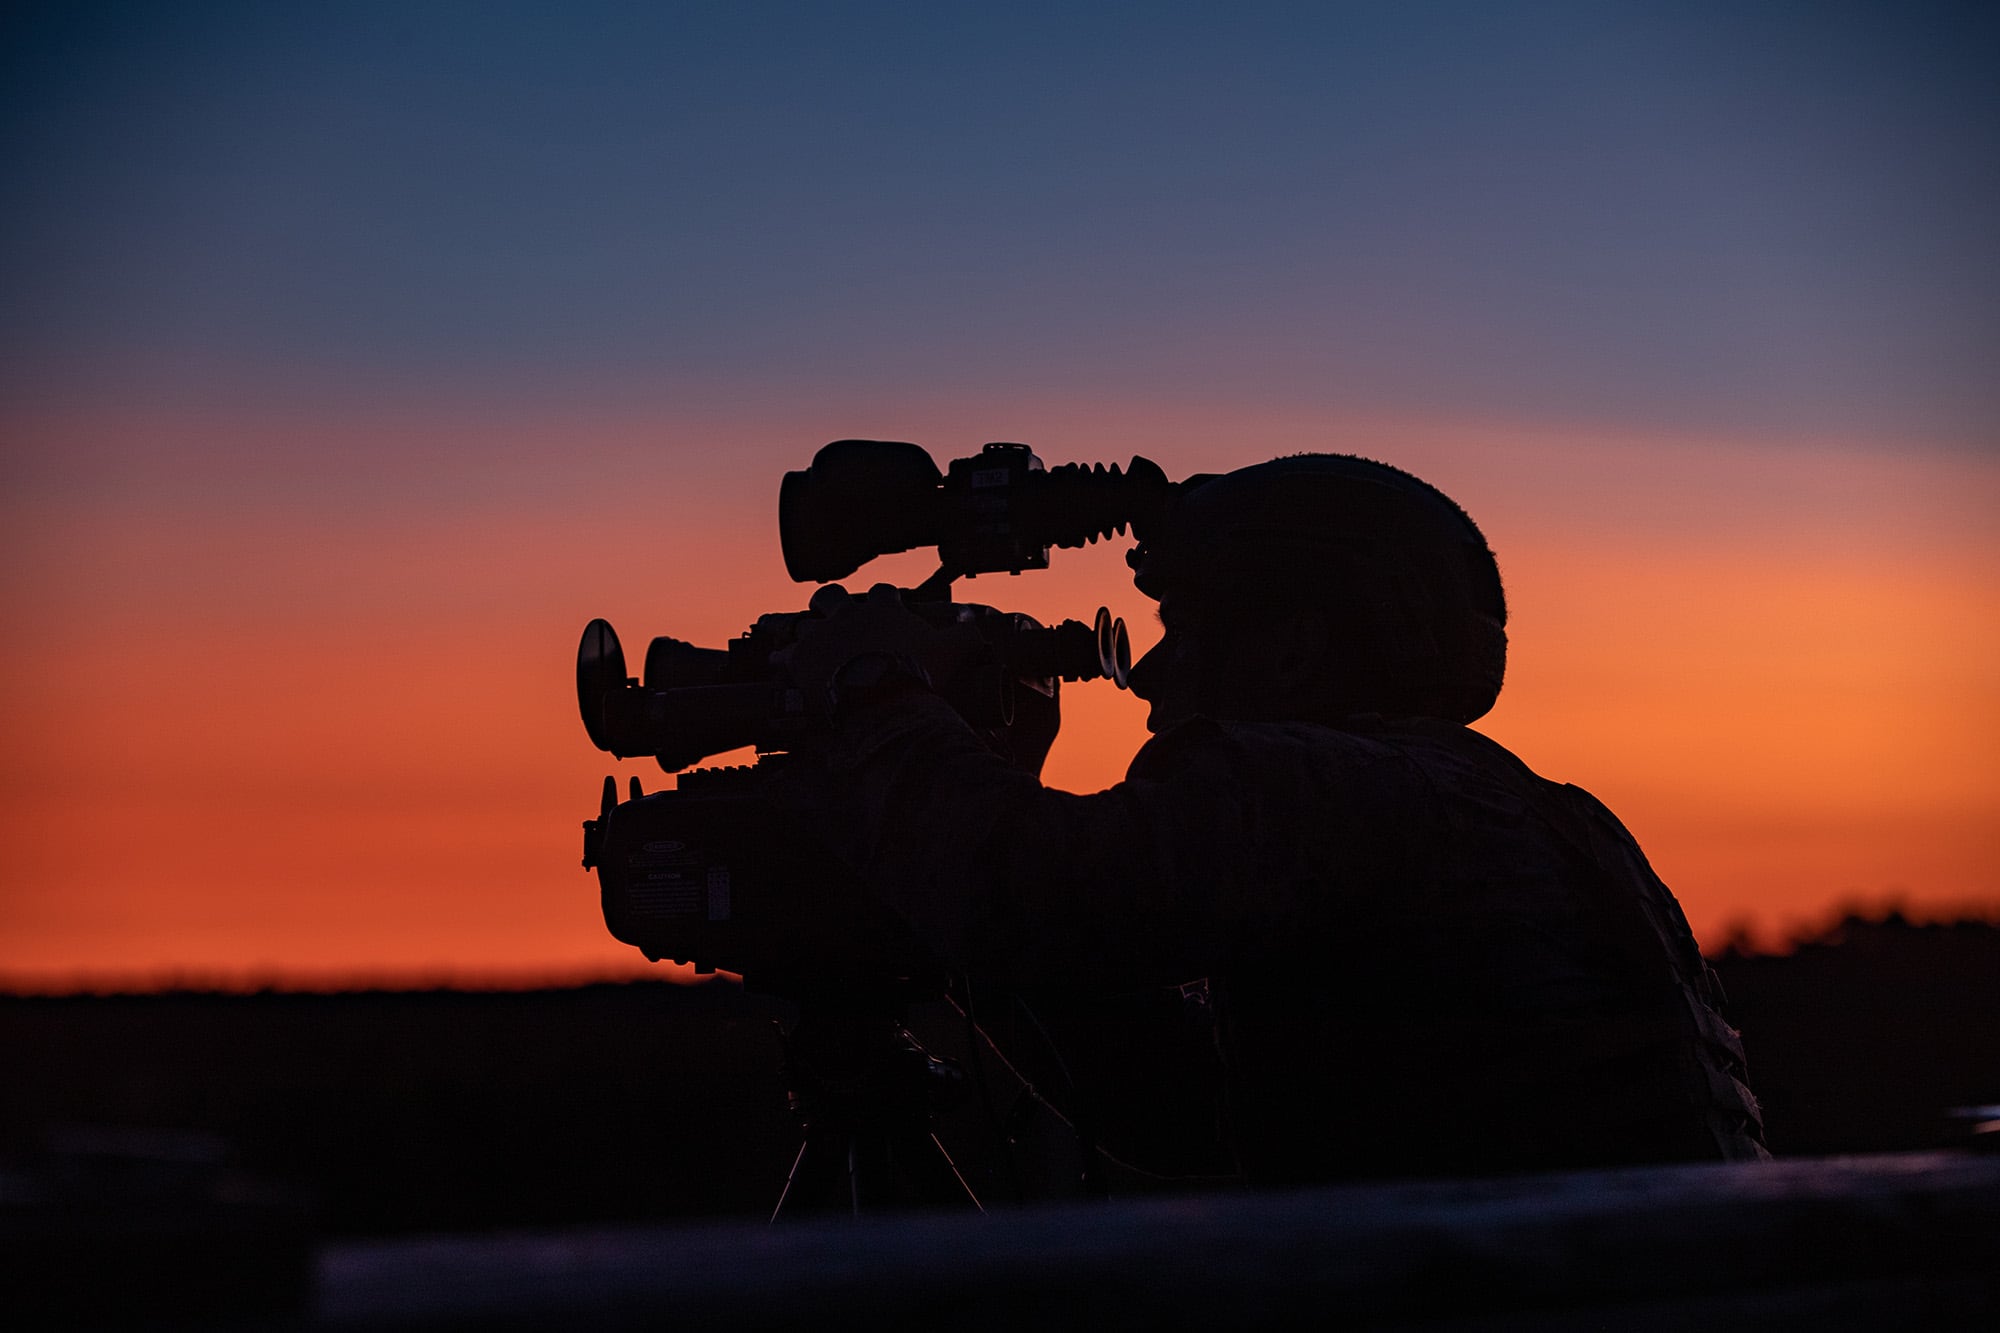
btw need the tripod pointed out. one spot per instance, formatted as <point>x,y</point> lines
<point>865,1091</point>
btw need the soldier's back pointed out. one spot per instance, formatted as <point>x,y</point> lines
<point>1462,968</point>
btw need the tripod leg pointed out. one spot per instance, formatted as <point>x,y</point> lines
<point>873,1181</point>
<point>866,1089</point>
<point>791,1179</point>
<point>915,1172</point>
<point>946,1180</point>
<point>821,1179</point>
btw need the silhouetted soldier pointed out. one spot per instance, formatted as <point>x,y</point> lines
<point>1322,930</point>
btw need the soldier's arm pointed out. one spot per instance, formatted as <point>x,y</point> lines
<point>1156,879</point>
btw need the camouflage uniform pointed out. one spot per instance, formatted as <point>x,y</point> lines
<point>1387,948</point>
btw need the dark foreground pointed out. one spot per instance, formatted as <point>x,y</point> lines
<point>230,1154</point>
<point>1906,1241</point>
<point>446,1111</point>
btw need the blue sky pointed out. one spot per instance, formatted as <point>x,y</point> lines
<point>1775,219</point>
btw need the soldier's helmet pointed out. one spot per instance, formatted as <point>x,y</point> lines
<point>1405,575</point>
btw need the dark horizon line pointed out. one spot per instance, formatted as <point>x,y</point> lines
<point>1741,943</point>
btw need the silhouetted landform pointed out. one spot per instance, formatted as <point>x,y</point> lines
<point>401,1112</point>
<point>1867,1032</point>
<point>416,1111</point>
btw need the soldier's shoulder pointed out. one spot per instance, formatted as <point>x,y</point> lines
<point>1467,763</point>
<point>1260,748</point>
<point>1448,747</point>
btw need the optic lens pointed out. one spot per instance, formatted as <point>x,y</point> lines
<point>600,672</point>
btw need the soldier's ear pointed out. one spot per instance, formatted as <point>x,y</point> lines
<point>1305,649</point>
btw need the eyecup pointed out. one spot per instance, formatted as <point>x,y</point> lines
<point>600,673</point>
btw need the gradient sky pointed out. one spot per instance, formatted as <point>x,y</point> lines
<point>351,356</point>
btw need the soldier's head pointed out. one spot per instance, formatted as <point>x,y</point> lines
<point>1317,587</point>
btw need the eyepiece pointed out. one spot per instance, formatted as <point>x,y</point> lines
<point>600,673</point>
<point>1114,648</point>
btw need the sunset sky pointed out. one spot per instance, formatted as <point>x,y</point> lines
<point>353,356</point>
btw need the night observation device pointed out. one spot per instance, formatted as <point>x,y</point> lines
<point>710,873</point>
<point>717,873</point>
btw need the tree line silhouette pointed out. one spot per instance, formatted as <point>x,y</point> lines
<point>387,1112</point>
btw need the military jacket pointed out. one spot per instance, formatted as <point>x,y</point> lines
<point>1387,948</point>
